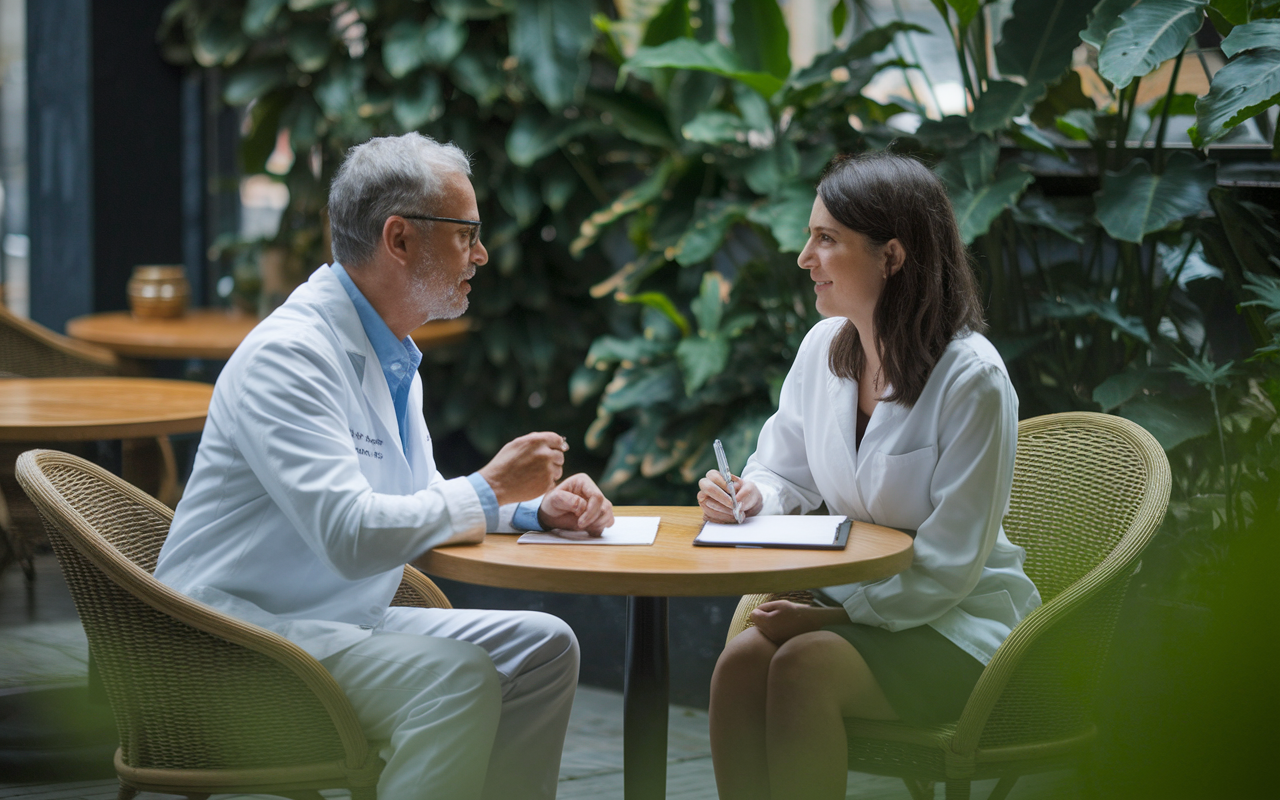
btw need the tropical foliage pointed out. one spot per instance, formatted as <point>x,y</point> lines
<point>505,80</point>
<point>665,159</point>
<point>1123,297</point>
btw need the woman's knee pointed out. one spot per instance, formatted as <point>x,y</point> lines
<point>808,658</point>
<point>744,659</point>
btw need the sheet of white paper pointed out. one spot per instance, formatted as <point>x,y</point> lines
<point>624,530</point>
<point>780,529</point>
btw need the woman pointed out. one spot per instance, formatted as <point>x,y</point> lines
<point>897,411</point>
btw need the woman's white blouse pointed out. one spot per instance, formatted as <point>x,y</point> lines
<point>942,468</point>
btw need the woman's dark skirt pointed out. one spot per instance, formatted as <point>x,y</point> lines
<point>926,678</point>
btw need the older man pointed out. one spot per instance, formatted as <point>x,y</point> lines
<point>315,482</point>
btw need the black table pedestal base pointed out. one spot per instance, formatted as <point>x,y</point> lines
<point>646,693</point>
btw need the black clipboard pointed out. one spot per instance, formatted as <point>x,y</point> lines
<point>838,543</point>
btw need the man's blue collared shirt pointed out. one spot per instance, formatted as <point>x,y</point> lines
<point>400,360</point>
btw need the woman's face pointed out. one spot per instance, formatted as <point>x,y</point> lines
<point>847,269</point>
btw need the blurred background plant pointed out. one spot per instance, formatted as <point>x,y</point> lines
<point>506,81</point>
<point>646,171</point>
<point>1120,268</point>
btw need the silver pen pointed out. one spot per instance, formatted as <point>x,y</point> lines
<point>723,464</point>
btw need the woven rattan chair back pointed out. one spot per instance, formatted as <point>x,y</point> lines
<point>1089,492</point>
<point>183,698</point>
<point>28,350</point>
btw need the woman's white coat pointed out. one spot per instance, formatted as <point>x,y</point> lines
<point>942,468</point>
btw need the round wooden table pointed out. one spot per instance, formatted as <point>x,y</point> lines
<point>82,409</point>
<point>672,566</point>
<point>206,333</point>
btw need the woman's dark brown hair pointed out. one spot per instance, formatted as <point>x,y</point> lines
<point>933,296</point>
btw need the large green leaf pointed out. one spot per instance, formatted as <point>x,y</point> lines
<point>787,216</point>
<point>1135,202</point>
<point>417,101</point>
<point>258,16</point>
<point>337,88</point>
<point>716,127</point>
<point>711,220</point>
<point>708,306</point>
<point>402,48</point>
<point>671,22</point>
<point>769,170</point>
<point>971,166</point>
<point>1065,95</point>
<point>1146,36</point>
<point>630,200</point>
<point>966,10</point>
<point>1248,85</point>
<point>710,57</point>
<point>633,117</point>
<point>977,208</point>
<point>442,40</point>
<point>1076,304</point>
<point>551,39</point>
<point>1169,421</point>
<point>479,75</point>
<point>1104,17</point>
<point>701,358</point>
<point>760,37</point>
<point>218,41</point>
<point>531,138</point>
<point>642,387</point>
<point>1036,44</point>
<point>251,81</point>
<point>1259,33</point>
<point>865,46</point>
<point>308,45</point>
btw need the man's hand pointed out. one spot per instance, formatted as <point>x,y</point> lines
<point>779,620</point>
<point>577,504</point>
<point>526,467</point>
<point>713,497</point>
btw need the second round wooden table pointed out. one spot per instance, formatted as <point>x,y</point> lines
<point>672,566</point>
<point>206,333</point>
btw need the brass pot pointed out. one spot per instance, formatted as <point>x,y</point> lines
<point>158,292</point>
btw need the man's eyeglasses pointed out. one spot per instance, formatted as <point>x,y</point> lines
<point>474,223</point>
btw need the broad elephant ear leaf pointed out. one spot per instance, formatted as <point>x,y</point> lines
<point>1146,36</point>
<point>1104,17</point>
<point>711,57</point>
<point>1036,44</point>
<point>551,39</point>
<point>1248,85</point>
<point>977,208</point>
<point>760,37</point>
<point>1135,202</point>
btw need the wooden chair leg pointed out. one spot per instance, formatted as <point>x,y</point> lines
<point>957,790</point>
<point>126,792</point>
<point>1003,788</point>
<point>920,790</point>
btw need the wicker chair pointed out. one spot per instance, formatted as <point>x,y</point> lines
<point>29,350</point>
<point>1089,491</point>
<point>203,702</point>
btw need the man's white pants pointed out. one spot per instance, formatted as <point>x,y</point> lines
<point>470,703</point>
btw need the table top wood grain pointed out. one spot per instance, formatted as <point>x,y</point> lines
<point>81,409</point>
<point>206,333</point>
<point>672,566</point>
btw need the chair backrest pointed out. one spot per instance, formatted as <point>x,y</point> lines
<point>182,698</point>
<point>29,350</point>
<point>1089,492</point>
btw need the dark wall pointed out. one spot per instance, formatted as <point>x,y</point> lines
<point>105,153</point>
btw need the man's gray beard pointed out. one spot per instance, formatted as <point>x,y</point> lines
<point>433,293</point>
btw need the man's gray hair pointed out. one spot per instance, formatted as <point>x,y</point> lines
<point>386,176</point>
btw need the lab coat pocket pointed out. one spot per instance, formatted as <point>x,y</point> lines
<point>896,487</point>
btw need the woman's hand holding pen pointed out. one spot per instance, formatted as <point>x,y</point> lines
<point>713,498</point>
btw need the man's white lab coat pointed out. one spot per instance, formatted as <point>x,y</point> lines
<point>303,507</point>
<point>942,468</point>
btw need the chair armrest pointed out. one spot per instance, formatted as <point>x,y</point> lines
<point>418,591</point>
